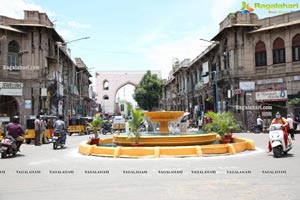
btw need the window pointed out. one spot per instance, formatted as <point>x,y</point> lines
<point>13,50</point>
<point>296,48</point>
<point>278,51</point>
<point>105,97</point>
<point>122,108</point>
<point>260,54</point>
<point>105,85</point>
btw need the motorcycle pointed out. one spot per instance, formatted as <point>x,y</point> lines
<point>57,140</point>
<point>8,146</point>
<point>276,137</point>
<point>106,128</point>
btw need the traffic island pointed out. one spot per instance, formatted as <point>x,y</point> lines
<point>238,145</point>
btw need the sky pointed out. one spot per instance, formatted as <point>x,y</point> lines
<point>135,34</point>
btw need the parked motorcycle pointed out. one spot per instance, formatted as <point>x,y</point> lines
<point>276,137</point>
<point>57,140</point>
<point>8,146</point>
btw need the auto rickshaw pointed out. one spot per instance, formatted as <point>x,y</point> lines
<point>30,133</point>
<point>78,125</point>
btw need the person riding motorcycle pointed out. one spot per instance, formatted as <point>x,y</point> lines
<point>60,127</point>
<point>15,130</point>
<point>284,125</point>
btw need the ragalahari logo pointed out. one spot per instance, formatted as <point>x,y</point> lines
<point>246,8</point>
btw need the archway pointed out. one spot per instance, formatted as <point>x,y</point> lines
<point>114,80</point>
<point>9,106</point>
<point>124,99</point>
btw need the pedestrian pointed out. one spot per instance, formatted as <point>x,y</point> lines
<point>200,123</point>
<point>291,122</point>
<point>37,130</point>
<point>259,123</point>
<point>43,138</point>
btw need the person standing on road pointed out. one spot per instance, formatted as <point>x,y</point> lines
<point>43,138</point>
<point>259,123</point>
<point>291,122</point>
<point>37,130</point>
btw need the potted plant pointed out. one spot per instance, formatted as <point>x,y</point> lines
<point>134,124</point>
<point>222,123</point>
<point>94,127</point>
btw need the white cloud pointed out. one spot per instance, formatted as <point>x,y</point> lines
<point>188,46</point>
<point>15,8</point>
<point>78,25</point>
<point>219,10</point>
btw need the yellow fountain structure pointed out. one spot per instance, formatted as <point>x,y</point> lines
<point>163,118</point>
<point>163,144</point>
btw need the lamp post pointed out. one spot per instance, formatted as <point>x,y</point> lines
<point>216,88</point>
<point>59,70</point>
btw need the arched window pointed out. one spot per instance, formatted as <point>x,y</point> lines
<point>296,47</point>
<point>105,97</point>
<point>278,51</point>
<point>105,85</point>
<point>13,50</point>
<point>260,54</point>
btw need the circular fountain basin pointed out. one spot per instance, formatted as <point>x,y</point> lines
<point>238,145</point>
<point>170,140</point>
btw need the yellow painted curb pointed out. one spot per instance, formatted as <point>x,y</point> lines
<point>238,145</point>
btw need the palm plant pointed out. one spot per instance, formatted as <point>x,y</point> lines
<point>223,123</point>
<point>95,125</point>
<point>134,124</point>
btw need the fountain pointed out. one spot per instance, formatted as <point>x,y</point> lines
<point>163,118</point>
<point>164,143</point>
<point>164,137</point>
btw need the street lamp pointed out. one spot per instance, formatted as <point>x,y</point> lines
<point>215,77</point>
<point>212,42</point>
<point>216,87</point>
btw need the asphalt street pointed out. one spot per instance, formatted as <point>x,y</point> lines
<point>39,172</point>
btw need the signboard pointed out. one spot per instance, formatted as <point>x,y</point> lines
<point>43,92</point>
<point>60,107</point>
<point>273,95</point>
<point>269,81</point>
<point>204,72</point>
<point>27,104</point>
<point>247,86</point>
<point>11,88</point>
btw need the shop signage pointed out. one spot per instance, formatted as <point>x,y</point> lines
<point>11,88</point>
<point>269,81</point>
<point>247,86</point>
<point>271,95</point>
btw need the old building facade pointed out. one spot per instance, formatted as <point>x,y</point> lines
<point>251,68</point>
<point>37,73</point>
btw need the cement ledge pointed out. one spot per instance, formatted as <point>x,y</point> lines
<point>239,145</point>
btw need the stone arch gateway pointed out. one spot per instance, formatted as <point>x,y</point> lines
<point>106,96</point>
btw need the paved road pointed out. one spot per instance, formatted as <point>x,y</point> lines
<point>39,172</point>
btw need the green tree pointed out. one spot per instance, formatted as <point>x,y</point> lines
<point>148,92</point>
